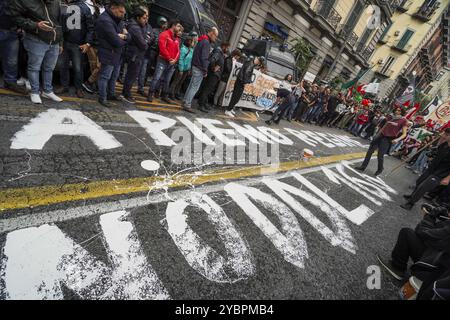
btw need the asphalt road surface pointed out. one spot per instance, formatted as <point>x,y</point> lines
<point>129,203</point>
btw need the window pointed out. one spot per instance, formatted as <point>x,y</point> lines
<point>405,39</point>
<point>387,65</point>
<point>385,32</point>
<point>353,18</point>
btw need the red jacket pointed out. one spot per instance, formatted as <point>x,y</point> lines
<point>169,46</point>
<point>362,119</point>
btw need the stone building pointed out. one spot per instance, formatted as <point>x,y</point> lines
<point>343,34</point>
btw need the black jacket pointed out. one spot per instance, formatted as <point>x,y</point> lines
<point>227,68</point>
<point>27,13</point>
<point>139,41</point>
<point>83,35</point>
<point>110,45</point>
<point>216,58</point>
<point>6,23</point>
<point>245,75</point>
<point>200,58</point>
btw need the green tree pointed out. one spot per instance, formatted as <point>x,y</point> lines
<point>301,48</point>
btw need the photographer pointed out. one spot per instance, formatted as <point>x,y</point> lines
<point>427,246</point>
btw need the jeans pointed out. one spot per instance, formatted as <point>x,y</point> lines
<point>72,53</point>
<point>238,90</point>
<point>218,97</point>
<point>134,67</point>
<point>421,162</point>
<point>289,113</point>
<point>107,81</point>
<point>314,113</point>
<point>41,55</point>
<point>9,52</point>
<point>408,245</point>
<point>194,85</point>
<point>381,143</point>
<point>164,71</point>
<point>356,128</point>
<point>426,183</point>
<point>142,77</point>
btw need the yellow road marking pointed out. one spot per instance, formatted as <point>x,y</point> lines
<point>20,198</point>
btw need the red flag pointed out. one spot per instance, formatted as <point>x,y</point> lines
<point>407,103</point>
<point>413,111</point>
<point>361,90</point>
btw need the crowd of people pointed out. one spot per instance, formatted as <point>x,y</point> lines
<point>40,37</point>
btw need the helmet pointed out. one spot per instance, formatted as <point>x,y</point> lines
<point>161,21</point>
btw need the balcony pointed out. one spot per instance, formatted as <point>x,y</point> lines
<point>367,53</point>
<point>384,40</point>
<point>425,13</point>
<point>401,48</point>
<point>384,73</point>
<point>404,6</point>
<point>352,39</point>
<point>328,13</point>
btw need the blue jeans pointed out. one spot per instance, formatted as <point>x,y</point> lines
<point>41,55</point>
<point>9,51</point>
<point>143,74</point>
<point>132,72</point>
<point>164,71</point>
<point>421,162</point>
<point>194,85</point>
<point>72,53</point>
<point>355,128</point>
<point>107,79</point>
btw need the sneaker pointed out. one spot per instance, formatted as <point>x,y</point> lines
<point>62,90</point>
<point>188,110</point>
<point>104,103</point>
<point>393,271</point>
<point>203,109</point>
<point>51,96</point>
<point>80,94</point>
<point>407,206</point>
<point>21,81</point>
<point>129,100</point>
<point>28,85</point>
<point>229,114</point>
<point>15,87</point>
<point>35,98</point>
<point>167,100</point>
<point>233,112</point>
<point>88,87</point>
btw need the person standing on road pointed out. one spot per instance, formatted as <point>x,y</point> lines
<point>169,53</point>
<point>227,69</point>
<point>112,38</point>
<point>389,134</point>
<point>244,77</point>
<point>184,67</point>
<point>77,40</point>
<point>9,49</point>
<point>285,99</point>
<point>43,42</point>
<point>90,85</point>
<point>215,69</point>
<point>437,174</point>
<point>200,64</point>
<point>137,47</point>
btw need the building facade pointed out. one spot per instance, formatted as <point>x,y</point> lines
<point>342,34</point>
<point>413,44</point>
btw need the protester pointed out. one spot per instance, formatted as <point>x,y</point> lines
<point>77,41</point>
<point>184,67</point>
<point>226,74</point>
<point>215,69</point>
<point>43,42</point>
<point>9,49</point>
<point>428,244</point>
<point>244,77</point>
<point>137,47</point>
<point>200,64</point>
<point>169,53</point>
<point>394,126</point>
<point>285,99</point>
<point>112,38</point>
<point>438,173</point>
<point>90,85</point>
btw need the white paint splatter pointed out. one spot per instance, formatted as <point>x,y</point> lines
<point>150,165</point>
<point>237,263</point>
<point>289,241</point>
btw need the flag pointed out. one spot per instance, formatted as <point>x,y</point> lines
<point>413,111</point>
<point>372,88</point>
<point>408,94</point>
<point>355,81</point>
<point>361,90</point>
<point>432,106</point>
